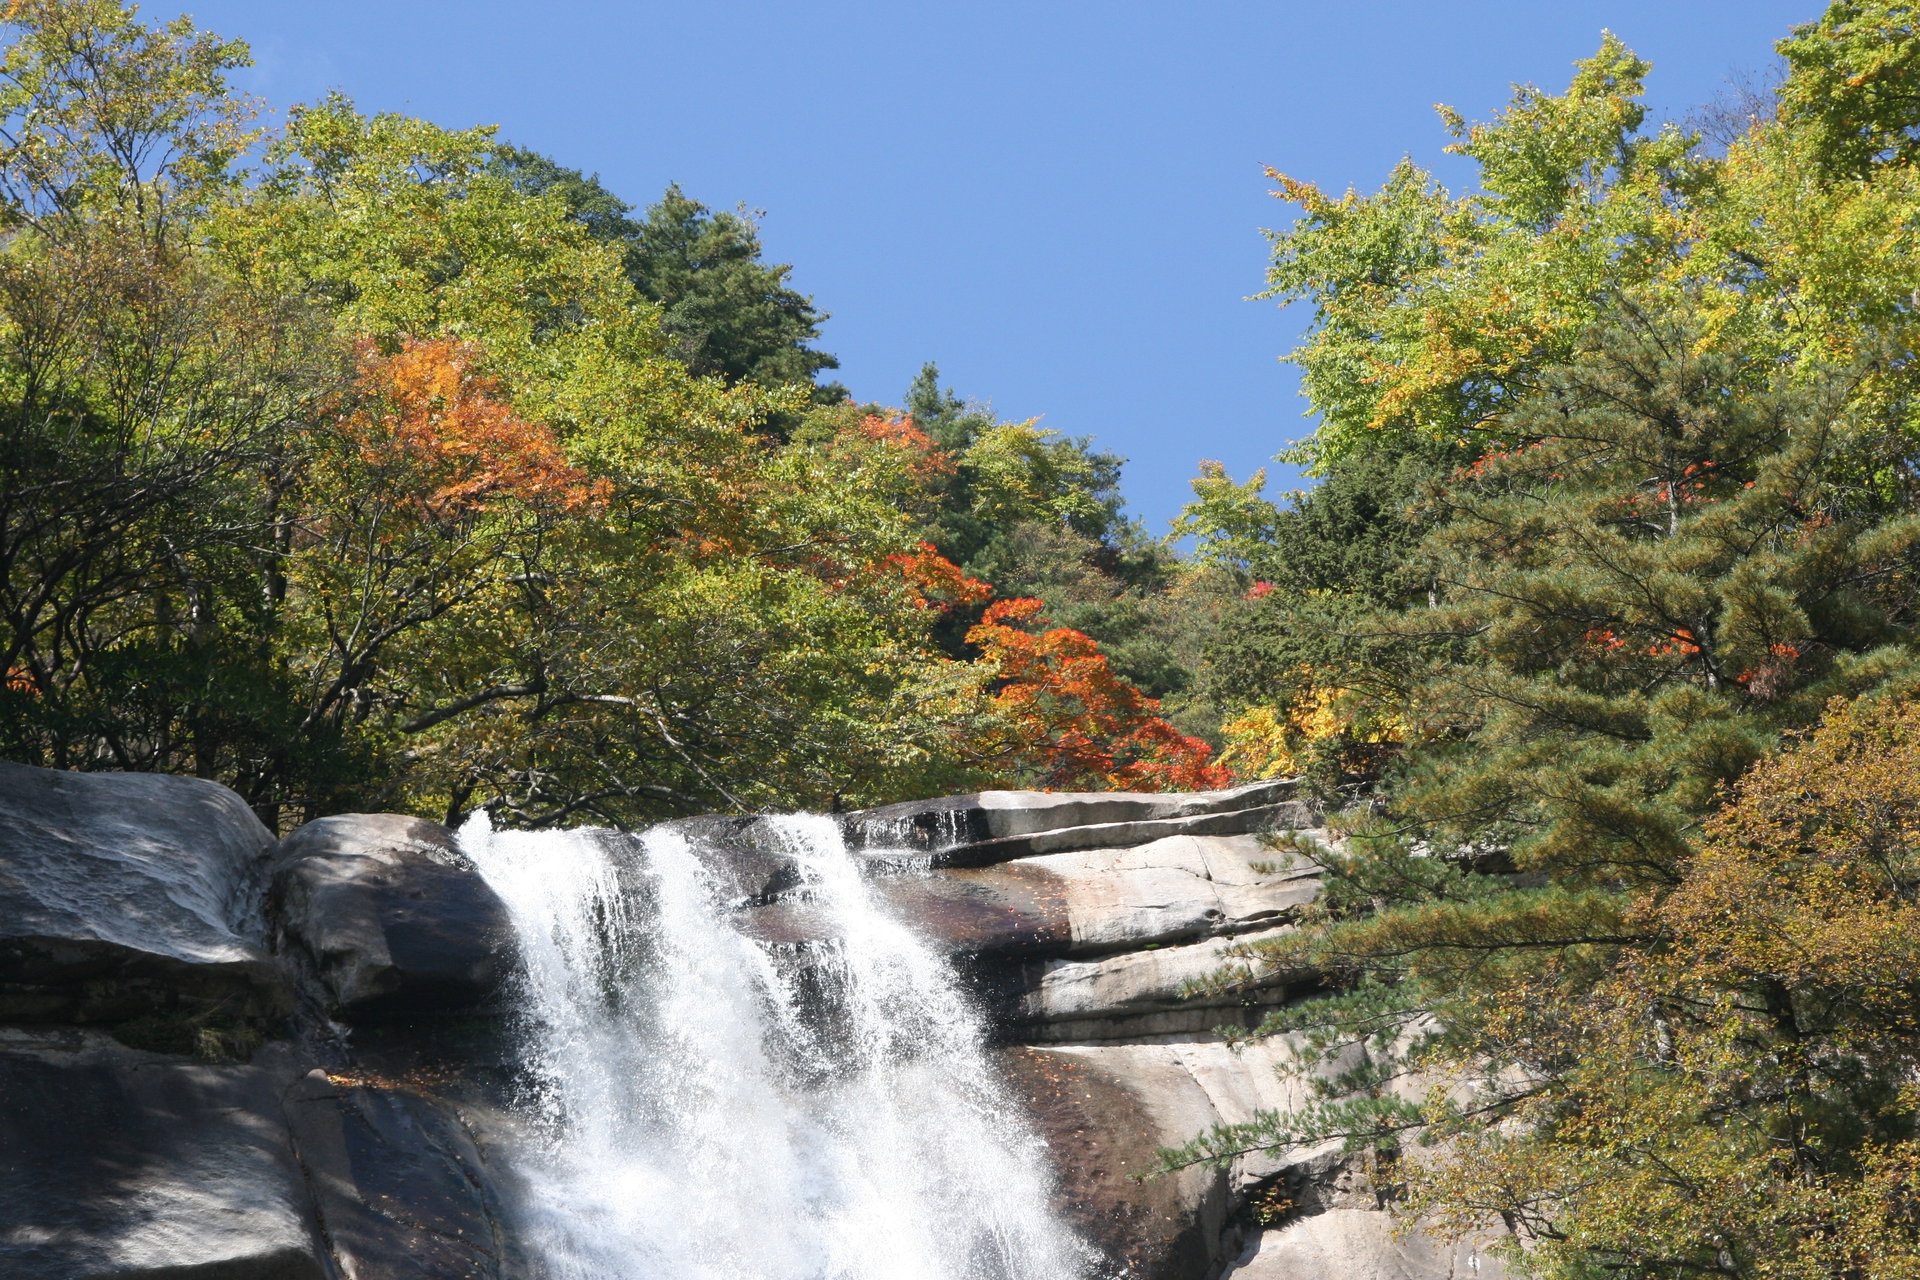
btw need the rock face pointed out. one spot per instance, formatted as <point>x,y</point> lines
<point>402,1186</point>
<point>227,1059</point>
<point>175,1100</point>
<point>125,896</point>
<point>1082,918</point>
<point>115,1162</point>
<point>391,916</point>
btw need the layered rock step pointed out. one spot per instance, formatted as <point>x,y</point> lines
<point>1086,922</point>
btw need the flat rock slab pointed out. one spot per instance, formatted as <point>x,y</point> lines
<point>951,823</point>
<point>395,920</point>
<point>122,1165</point>
<point>1172,889</point>
<point>1362,1244</point>
<point>1286,815</point>
<point>401,1189</point>
<point>1090,902</point>
<point>125,894</point>
<point>1138,995</point>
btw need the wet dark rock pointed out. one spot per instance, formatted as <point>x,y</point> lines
<point>394,921</point>
<point>1015,912</point>
<point>128,895</point>
<point>122,1165</point>
<point>402,1190</point>
<point>1090,1118</point>
<point>1020,913</point>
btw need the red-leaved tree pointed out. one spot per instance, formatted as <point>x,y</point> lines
<point>1068,722</point>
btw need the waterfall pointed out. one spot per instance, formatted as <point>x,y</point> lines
<point>710,1107</point>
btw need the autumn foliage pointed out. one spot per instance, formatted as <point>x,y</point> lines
<point>384,473</point>
<point>1740,1086</point>
<point>937,582</point>
<point>1070,722</point>
<point>926,460</point>
<point>427,413</point>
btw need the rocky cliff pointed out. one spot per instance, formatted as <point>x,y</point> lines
<point>230,1058</point>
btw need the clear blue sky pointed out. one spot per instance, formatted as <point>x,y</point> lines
<point>1059,201</point>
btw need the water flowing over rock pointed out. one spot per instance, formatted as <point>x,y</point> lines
<point>711,1109</point>
<point>927,1042</point>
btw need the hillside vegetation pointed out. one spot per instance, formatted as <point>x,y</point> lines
<point>1601,624</point>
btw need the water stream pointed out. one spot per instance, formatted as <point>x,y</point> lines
<point>710,1107</point>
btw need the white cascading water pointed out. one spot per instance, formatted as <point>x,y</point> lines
<point>708,1112</point>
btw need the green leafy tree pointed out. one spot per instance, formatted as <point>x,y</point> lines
<point>1851,84</point>
<point>142,393</point>
<point>716,628</point>
<point>1669,518</point>
<point>1434,313</point>
<point>103,113</point>
<point>407,471</point>
<point>371,479</point>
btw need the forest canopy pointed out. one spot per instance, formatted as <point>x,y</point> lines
<point>368,463</point>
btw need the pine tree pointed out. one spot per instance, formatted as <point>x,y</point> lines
<point>1675,556</point>
<point>729,312</point>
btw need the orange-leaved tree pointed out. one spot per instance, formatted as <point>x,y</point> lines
<point>413,535</point>
<point>937,582</point>
<point>1066,721</point>
<point>926,460</point>
<point>429,415</point>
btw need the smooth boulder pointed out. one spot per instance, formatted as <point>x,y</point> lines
<point>393,919</point>
<point>131,896</point>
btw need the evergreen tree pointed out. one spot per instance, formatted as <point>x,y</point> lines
<point>730,313</point>
<point>1677,555</point>
<point>1304,574</point>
